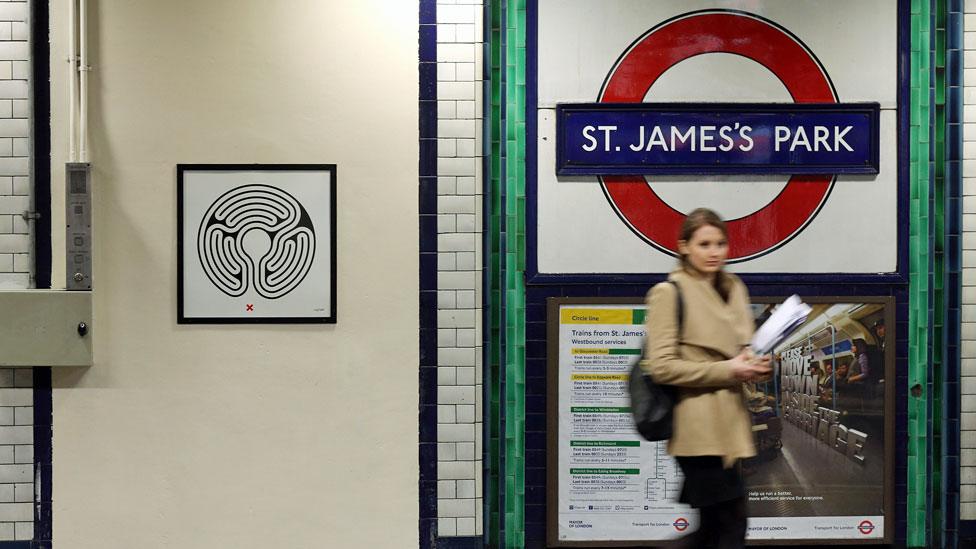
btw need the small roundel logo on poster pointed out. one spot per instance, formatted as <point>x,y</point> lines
<point>680,524</point>
<point>866,527</point>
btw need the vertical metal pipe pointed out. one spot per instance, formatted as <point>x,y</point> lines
<point>833,366</point>
<point>83,78</point>
<point>777,368</point>
<point>72,81</point>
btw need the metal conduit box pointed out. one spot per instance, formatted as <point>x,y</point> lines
<point>45,328</point>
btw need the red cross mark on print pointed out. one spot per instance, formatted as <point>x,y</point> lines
<point>719,31</point>
<point>250,307</point>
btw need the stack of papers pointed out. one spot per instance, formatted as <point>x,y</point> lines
<point>788,316</point>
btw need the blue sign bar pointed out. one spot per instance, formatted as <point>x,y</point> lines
<point>717,138</point>
<point>840,347</point>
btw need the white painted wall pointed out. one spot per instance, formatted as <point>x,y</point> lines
<point>223,436</point>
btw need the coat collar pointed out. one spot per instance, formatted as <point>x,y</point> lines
<point>710,321</point>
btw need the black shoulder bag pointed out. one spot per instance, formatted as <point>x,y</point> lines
<point>652,405</point>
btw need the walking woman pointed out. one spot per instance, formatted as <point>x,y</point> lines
<point>708,361</point>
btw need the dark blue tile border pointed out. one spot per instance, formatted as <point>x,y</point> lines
<point>472,542</point>
<point>967,533</point>
<point>41,140</point>
<point>428,12</point>
<point>427,227</point>
<point>43,454</point>
<point>41,166</point>
<point>951,525</point>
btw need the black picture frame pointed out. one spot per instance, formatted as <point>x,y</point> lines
<point>328,316</point>
<point>553,305</point>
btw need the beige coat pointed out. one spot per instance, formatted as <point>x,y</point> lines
<point>710,417</point>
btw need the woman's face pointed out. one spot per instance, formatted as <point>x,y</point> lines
<point>706,250</point>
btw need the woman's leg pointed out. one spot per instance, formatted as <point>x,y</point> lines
<point>705,535</point>
<point>704,478</point>
<point>732,519</point>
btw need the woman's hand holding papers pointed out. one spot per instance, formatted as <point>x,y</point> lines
<point>748,366</point>
<point>788,316</point>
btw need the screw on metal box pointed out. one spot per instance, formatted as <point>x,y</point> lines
<point>79,277</point>
<point>82,329</point>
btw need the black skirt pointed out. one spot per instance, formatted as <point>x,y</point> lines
<point>707,482</point>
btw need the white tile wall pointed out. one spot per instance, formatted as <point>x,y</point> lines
<point>16,391</point>
<point>15,233</point>
<point>459,263</point>
<point>967,456</point>
<point>16,454</point>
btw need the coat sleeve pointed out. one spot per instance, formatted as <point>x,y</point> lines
<point>663,359</point>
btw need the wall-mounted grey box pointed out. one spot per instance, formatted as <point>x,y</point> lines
<point>45,328</point>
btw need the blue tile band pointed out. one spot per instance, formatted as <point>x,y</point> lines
<point>427,226</point>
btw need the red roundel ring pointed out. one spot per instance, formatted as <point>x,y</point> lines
<point>719,31</point>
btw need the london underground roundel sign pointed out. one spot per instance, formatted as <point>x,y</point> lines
<point>731,32</point>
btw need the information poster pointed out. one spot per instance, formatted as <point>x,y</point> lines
<point>821,429</point>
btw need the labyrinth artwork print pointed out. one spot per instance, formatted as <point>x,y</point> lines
<point>256,243</point>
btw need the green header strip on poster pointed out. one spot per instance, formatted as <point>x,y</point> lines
<point>598,410</point>
<point>604,471</point>
<point>604,443</point>
<point>639,315</point>
<point>624,352</point>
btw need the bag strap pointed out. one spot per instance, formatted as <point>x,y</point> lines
<point>679,306</point>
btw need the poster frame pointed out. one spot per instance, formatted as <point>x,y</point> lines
<point>329,317</point>
<point>902,140</point>
<point>552,425</point>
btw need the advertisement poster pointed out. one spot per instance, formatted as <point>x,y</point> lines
<point>821,428</point>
